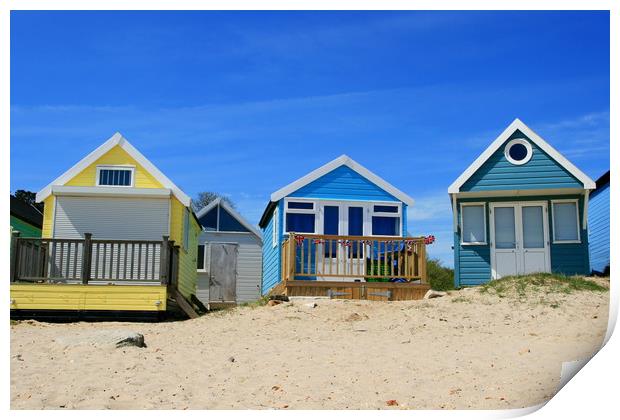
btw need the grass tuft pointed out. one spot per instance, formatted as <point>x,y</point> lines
<point>547,283</point>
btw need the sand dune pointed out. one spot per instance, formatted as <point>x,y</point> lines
<point>465,350</point>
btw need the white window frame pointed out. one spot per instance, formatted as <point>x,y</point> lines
<point>275,225</point>
<point>484,215</point>
<point>527,157</point>
<point>119,167</point>
<point>567,200</point>
<point>204,259</point>
<point>372,213</point>
<point>314,211</point>
<point>368,209</point>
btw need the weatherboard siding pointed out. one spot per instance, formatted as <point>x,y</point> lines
<point>540,172</point>
<point>115,156</point>
<point>473,262</point>
<point>598,221</point>
<point>343,183</point>
<point>248,264</point>
<point>24,228</point>
<point>271,254</point>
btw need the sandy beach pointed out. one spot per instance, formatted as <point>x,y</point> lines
<point>465,350</point>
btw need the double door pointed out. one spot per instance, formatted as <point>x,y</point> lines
<point>519,238</point>
<point>348,260</point>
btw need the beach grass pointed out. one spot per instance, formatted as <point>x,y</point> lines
<point>547,283</point>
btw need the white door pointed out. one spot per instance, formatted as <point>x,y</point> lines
<point>504,240</point>
<point>519,238</point>
<point>534,238</point>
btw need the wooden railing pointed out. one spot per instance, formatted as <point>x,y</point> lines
<point>99,261</point>
<point>350,258</point>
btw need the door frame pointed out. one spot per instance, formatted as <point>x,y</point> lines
<point>518,205</point>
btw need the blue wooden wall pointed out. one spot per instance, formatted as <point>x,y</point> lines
<point>271,254</point>
<point>343,183</point>
<point>540,172</point>
<point>598,220</point>
<point>472,263</point>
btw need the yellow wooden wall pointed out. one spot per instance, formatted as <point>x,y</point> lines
<point>48,216</point>
<point>115,156</point>
<point>187,257</point>
<point>88,297</point>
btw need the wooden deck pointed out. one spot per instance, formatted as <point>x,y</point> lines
<point>354,267</point>
<point>56,274</point>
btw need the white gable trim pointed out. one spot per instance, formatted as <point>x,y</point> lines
<point>233,212</point>
<point>347,161</point>
<point>517,124</point>
<point>116,140</point>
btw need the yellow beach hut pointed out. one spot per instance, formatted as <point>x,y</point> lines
<point>118,237</point>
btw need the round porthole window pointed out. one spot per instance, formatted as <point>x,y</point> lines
<point>518,151</point>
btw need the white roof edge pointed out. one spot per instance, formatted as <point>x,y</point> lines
<point>233,212</point>
<point>517,124</point>
<point>330,166</point>
<point>116,139</point>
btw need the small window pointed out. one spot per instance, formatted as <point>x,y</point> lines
<point>209,220</point>
<point>518,151</point>
<point>186,230</point>
<point>118,177</point>
<point>200,258</point>
<point>386,209</point>
<point>275,225</point>
<point>565,222</point>
<point>300,222</point>
<point>300,205</point>
<point>385,226</point>
<point>473,224</point>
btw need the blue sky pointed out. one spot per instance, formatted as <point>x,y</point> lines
<point>243,103</point>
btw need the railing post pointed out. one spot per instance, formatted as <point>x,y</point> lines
<point>14,255</point>
<point>422,262</point>
<point>293,255</point>
<point>87,251</point>
<point>164,260</point>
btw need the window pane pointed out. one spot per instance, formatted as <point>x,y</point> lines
<point>505,235</point>
<point>330,220</point>
<point>385,225</point>
<point>386,209</point>
<point>209,220</point>
<point>565,221</point>
<point>230,224</point>
<point>301,223</point>
<point>200,260</point>
<point>473,224</point>
<point>114,177</point>
<point>300,205</point>
<point>533,231</point>
<point>356,221</point>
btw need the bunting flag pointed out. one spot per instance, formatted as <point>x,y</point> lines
<point>318,241</point>
<point>429,239</point>
<point>299,240</point>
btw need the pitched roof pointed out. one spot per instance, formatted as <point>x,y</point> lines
<point>340,161</point>
<point>233,213</point>
<point>26,212</point>
<point>517,124</point>
<point>116,140</point>
<point>602,180</point>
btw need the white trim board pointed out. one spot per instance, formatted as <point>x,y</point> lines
<point>340,161</point>
<point>116,140</point>
<point>517,124</point>
<point>110,191</point>
<point>233,212</point>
